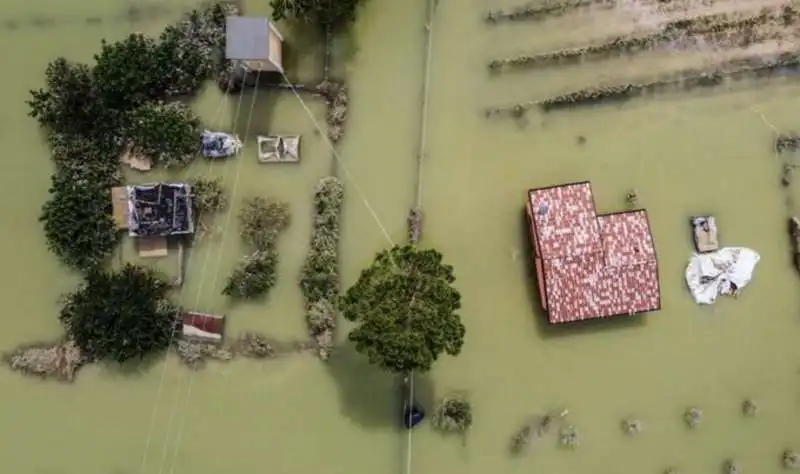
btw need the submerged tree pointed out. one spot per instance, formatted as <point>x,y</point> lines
<point>405,307</point>
<point>68,103</point>
<point>168,134</point>
<point>77,218</point>
<point>119,315</point>
<point>326,14</point>
<point>262,220</point>
<point>129,73</point>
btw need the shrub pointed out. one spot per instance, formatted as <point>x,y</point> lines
<point>453,414</point>
<point>262,220</point>
<point>254,276</point>
<point>319,278</point>
<point>208,196</point>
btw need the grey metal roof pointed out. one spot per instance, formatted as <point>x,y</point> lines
<point>246,38</point>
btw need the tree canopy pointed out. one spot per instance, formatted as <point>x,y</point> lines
<point>120,315</point>
<point>405,306</point>
<point>326,14</point>
<point>93,113</point>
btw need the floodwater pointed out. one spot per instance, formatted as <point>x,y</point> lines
<point>685,153</point>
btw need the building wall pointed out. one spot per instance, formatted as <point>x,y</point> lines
<point>275,49</point>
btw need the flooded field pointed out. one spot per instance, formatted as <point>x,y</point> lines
<point>701,151</point>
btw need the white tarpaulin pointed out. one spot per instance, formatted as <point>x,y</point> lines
<point>724,272</point>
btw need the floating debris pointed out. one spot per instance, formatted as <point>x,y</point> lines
<point>693,416</point>
<point>791,459</point>
<point>414,225</point>
<point>534,427</point>
<point>568,437</point>
<point>632,198</point>
<point>632,426</point>
<point>731,466</point>
<point>750,408</point>
<point>787,142</point>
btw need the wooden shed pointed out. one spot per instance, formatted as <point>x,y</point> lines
<point>255,41</point>
<point>202,326</point>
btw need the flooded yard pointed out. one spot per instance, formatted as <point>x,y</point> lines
<point>686,153</point>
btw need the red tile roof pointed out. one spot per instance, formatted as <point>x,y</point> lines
<point>592,266</point>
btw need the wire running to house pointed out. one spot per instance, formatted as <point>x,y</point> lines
<point>226,224</point>
<point>339,160</point>
<point>219,117</point>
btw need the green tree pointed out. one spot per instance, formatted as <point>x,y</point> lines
<point>405,306</point>
<point>120,315</point>
<point>168,134</point>
<point>67,104</point>
<point>77,218</point>
<point>129,73</point>
<point>329,15</point>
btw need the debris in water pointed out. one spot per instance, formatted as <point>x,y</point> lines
<point>693,416</point>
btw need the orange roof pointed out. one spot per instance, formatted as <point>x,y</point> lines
<point>592,266</point>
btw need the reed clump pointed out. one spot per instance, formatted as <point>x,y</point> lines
<point>713,28</point>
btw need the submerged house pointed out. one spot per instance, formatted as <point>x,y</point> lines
<point>160,209</point>
<point>590,265</point>
<point>153,212</point>
<point>255,41</point>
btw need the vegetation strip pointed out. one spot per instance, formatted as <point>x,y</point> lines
<point>319,278</point>
<point>713,27</point>
<point>751,66</point>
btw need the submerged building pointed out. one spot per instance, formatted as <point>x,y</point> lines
<point>590,265</point>
<point>160,209</point>
<point>255,41</point>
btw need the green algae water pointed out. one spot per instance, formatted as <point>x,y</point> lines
<point>706,152</point>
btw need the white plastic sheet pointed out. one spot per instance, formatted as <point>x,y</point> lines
<point>724,272</point>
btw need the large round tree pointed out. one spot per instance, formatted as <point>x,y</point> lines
<point>120,315</point>
<point>405,306</point>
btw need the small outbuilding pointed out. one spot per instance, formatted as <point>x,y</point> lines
<point>202,326</point>
<point>255,41</point>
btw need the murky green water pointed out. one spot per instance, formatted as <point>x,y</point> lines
<point>685,154</point>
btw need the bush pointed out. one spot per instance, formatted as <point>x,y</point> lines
<point>319,278</point>
<point>254,276</point>
<point>453,415</point>
<point>208,196</point>
<point>320,275</point>
<point>262,220</point>
<point>168,134</point>
<point>119,315</point>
